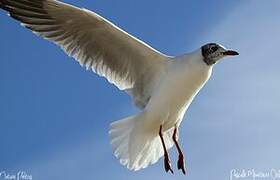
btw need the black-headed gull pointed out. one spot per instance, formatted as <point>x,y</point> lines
<point>162,86</point>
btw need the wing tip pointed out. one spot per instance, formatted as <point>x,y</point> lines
<point>6,7</point>
<point>2,6</point>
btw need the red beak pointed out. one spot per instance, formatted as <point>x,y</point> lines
<point>230,53</point>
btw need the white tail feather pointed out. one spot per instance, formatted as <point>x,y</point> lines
<point>134,146</point>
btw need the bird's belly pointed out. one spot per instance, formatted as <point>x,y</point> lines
<point>173,96</point>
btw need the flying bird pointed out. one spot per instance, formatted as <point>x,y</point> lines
<point>161,86</point>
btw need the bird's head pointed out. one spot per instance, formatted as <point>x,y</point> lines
<point>213,52</point>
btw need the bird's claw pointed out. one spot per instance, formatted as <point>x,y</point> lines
<point>181,163</point>
<point>167,165</point>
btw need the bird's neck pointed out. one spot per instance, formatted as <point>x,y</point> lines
<point>195,56</point>
<point>191,61</point>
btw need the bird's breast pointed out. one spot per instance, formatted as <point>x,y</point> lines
<point>177,89</point>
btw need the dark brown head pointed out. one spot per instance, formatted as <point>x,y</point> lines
<point>213,52</point>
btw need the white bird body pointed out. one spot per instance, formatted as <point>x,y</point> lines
<point>176,86</point>
<point>163,87</point>
<point>184,76</point>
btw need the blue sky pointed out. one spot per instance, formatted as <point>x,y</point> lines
<point>55,116</point>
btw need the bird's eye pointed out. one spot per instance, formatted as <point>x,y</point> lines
<point>214,48</point>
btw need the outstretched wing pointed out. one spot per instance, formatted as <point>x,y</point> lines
<point>93,41</point>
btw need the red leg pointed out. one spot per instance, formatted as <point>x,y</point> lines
<point>181,161</point>
<point>167,164</point>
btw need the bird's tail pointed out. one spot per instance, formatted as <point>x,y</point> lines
<point>135,146</point>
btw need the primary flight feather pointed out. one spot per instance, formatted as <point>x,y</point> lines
<point>161,86</point>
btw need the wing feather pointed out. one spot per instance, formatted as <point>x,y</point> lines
<point>93,41</point>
